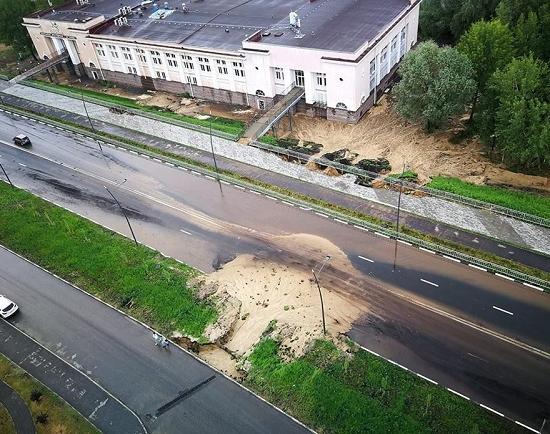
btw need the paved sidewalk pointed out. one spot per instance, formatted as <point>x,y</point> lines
<point>469,219</point>
<point>18,410</point>
<point>100,408</point>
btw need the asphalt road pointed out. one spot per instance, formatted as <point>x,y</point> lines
<point>119,354</point>
<point>185,216</point>
<point>384,212</point>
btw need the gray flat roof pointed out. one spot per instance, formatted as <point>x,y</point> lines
<point>71,11</point>
<point>334,25</point>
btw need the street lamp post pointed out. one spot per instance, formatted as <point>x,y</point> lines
<point>7,177</point>
<point>213,154</point>
<point>123,213</point>
<point>327,258</point>
<point>398,215</point>
<point>88,116</point>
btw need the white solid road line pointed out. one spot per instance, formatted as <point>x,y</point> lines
<point>503,310</point>
<point>430,283</point>
<point>365,259</point>
<point>185,232</point>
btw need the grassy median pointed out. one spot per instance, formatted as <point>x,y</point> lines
<point>50,413</point>
<point>336,392</point>
<point>136,279</point>
<point>530,203</point>
<point>225,125</point>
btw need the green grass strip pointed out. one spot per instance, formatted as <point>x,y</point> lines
<point>333,392</point>
<point>225,125</point>
<point>530,203</point>
<point>138,280</point>
<point>61,417</point>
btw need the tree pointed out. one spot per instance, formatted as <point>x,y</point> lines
<point>11,16</point>
<point>532,33</point>
<point>522,112</point>
<point>489,45</point>
<point>446,20</point>
<point>436,83</point>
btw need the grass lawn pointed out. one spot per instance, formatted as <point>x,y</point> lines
<point>529,203</point>
<point>229,126</point>
<point>136,279</point>
<point>333,392</point>
<point>61,417</point>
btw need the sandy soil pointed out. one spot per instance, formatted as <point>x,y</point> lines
<point>382,133</point>
<point>265,291</point>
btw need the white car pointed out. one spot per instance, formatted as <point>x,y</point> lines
<point>7,307</point>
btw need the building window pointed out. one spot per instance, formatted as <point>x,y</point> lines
<point>372,75</point>
<point>155,55</point>
<point>204,64</point>
<point>341,105</point>
<point>222,68</point>
<point>299,78</point>
<point>132,70</point>
<point>260,92</point>
<point>393,51</point>
<point>99,50</point>
<point>238,68</point>
<point>171,59</point>
<point>187,62</point>
<point>403,41</point>
<point>191,79</point>
<point>126,53</point>
<point>161,74</point>
<point>279,75</point>
<point>321,79</point>
<point>113,51</point>
<point>384,62</point>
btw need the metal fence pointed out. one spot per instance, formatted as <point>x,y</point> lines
<point>389,232</point>
<point>304,158</point>
<point>75,94</point>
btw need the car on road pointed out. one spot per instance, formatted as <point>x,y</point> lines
<point>7,307</point>
<point>22,140</point>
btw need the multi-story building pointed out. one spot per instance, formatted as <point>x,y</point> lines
<point>342,52</point>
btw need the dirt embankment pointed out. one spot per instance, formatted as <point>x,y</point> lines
<point>382,133</point>
<point>255,295</point>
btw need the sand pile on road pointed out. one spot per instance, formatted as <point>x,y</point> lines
<point>382,133</point>
<point>267,291</point>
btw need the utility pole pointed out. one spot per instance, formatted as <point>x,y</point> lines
<point>213,154</point>
<point>123,213</point>
<point>327,258</point>
<point>88,116</point>
<point>398,214</point>
<point>7,177</point>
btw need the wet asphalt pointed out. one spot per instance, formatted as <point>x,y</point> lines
<point>185,216</point>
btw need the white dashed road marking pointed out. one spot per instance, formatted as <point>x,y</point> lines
<point>185,232</point>
<point>430,283</point>
<point>365,259</point>
<point>503,310</point>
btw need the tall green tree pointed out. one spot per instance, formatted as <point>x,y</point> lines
<point>436,84</point>
<point>11,16</point>
<point>521,105</point>
<point>532,33</point>
<point>489,45</point>
<point>446,20</point>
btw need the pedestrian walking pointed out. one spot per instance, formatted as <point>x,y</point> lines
<point>165,343</point>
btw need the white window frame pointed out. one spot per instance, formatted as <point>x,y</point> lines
<point>279,75</point>
<point>299,78</point>
<point>238,69</point>
<point>320,80</point>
